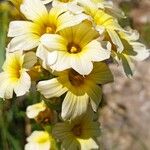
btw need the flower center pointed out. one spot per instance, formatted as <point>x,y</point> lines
<point>15,72</point>
<point>49,30</point>
<point>65,1</point>
<point>45,117</point>
<point>75,78</point>
<point>42,138</point>
<point>46,28</point>
<point>73,48</point>
<point>77,130</point>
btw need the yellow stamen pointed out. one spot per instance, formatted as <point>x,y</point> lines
<point>38,68</point>
<point>65,1</point>
<point>49,30</point>
<point>73,49</point>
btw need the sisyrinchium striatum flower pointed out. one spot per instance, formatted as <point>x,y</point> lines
<point>26,33</point>
<point>14,77</point>
<point>58,59</point>
<point>80,133</point>
<point>81,90</point>
<point>75,48</point>
<point>38,140</point>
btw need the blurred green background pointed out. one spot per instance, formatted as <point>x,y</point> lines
<point>14,126</point>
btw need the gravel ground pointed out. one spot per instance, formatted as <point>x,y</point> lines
<point>125,119</point>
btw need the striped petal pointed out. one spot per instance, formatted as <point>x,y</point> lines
<point>51,88</point>
<point>54,42</point>
<point>23,85</point>
<point>24,42</point>
<point>35,13</point>
<point>68,20</point>
<point>74,105</point>
<point>95,94</point>
<point>17,28</point>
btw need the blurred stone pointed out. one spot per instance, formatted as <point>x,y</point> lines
<point>141,14</point>
<point>126,117</point>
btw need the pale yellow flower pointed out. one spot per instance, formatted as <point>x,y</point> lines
<point>70,5</point>
<point>41,113</point>
<point>133,50</point>
<point>26,34</point>
<point>131,38</point>
<point>109,7</point>
<point>46,1</point>
<point>80,90</point>
<point>75,47</point>
<point>17,3</point>
<point>34,110</point>
<point>14,76</point>
<point>103,22</point>
<point>38,140</point>
<point>59,2</point>
<point>78,134</point>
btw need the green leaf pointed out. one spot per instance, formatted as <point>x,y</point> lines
<point>53,103</point>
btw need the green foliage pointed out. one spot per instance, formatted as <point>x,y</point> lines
<point>11,125</point>
<point>3,30</point>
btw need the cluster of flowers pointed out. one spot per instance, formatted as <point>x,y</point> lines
<point>72,40</point>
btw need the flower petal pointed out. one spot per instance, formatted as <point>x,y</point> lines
<point>81,64</point>
<point>48,58</point>
<point>95,94</point>
<point>62,131</point>
<point>30,60</point>
<point>74,105</point>
<point>89,6</point>
<point>6,89</point>
<point>62,62</point>
<point>101,74</point>
<point>34,141</point>
<point>54,42</point>
<point>142,52</point>
<point>116,40</point>
<point>51,88</point>
<point>23,84</point>
<point>33,110</point>
<point>82,36</point>
<point>35,13</point>
<point>17,28</point>
<point>23,42</point>
<point>68,20</point>
<point>88,144</point>
<point>70,144</point>
<point>95,51</point>
<point>46,1</point>
<point>74,8</point>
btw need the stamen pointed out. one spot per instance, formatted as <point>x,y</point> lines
<point>73,48</point>
<point>49,30</point>
<point>65,1</point>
